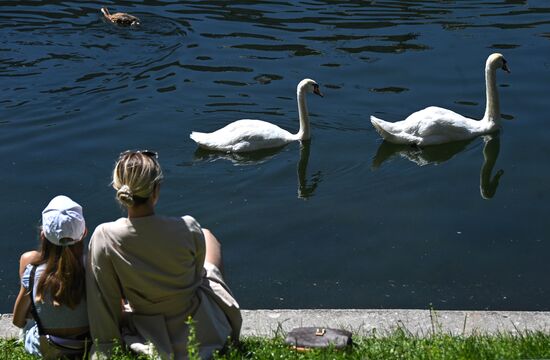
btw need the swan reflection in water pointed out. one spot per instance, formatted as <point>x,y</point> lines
<point>488,186</point>
<point>238,159</point>
<point>305,191</point>
<point>440,153</point>
<point>306,188</point>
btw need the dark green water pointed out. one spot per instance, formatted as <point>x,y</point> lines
<point>342,221</point>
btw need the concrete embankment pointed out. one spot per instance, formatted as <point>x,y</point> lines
<point>267,323</point>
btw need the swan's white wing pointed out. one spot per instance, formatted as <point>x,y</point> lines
<point>244,135</point>
<point>432,125</point>
<point>437,125</point>
<point>394,132</point>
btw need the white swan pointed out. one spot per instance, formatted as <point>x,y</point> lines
<point>435,125</point>
<point>250,135</point>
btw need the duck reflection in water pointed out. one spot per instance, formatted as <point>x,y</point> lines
<point>441,153</point>
<point>306,189</point>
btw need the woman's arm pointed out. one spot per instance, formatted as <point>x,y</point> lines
<point>103,296</point>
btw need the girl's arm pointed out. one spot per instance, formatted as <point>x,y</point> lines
<point>21,308</point>
<point>22,305</point>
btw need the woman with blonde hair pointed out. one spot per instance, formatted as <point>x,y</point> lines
<point>53,284</point>
<point>164,269</point>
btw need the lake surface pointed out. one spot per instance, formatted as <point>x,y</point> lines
<point>344,220</point>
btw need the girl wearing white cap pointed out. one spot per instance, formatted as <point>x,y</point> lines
<point>54,276</point>
<point>166,268</point>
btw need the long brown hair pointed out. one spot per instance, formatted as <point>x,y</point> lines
<point>64,275</point>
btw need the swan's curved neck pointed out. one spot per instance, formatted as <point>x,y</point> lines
<point>303,133</point>
<point>492,109</point>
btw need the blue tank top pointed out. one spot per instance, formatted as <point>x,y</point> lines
<point>55,317</point>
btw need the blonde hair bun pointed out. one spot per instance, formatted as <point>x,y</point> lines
<point>125,195</point>
<point>135,177</point>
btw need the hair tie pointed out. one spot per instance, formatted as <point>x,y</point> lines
<point>125,189</point>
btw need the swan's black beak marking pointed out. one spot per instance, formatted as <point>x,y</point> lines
<point>316,90</point>
<point>505,66</point>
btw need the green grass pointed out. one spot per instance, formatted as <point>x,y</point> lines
<point>399,345</point>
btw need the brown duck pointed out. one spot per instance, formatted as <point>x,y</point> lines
<point>120,18</point>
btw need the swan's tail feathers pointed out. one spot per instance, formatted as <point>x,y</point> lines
<point>195,136</point>
<point>383,127</point>
<point>200,138</point>
<point>394,132</point>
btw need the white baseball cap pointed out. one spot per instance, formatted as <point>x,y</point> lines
<point>62,221</point>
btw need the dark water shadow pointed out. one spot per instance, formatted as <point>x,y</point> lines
<point>438,154</point>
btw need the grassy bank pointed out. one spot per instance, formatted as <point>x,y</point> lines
<point>399,345</point>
